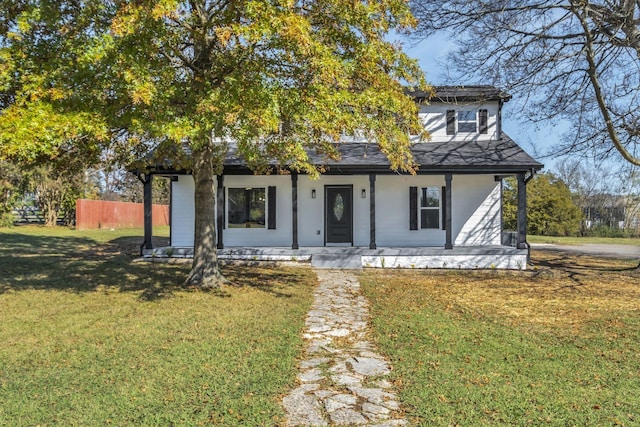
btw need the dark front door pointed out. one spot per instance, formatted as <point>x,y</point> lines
<point>338,214</point>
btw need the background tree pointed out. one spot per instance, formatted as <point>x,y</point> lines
<point>55,187</point>
<point>10,191</point>
<point>573,59</point>
<point>550,207</point>
<point>606,195</point>
<point>114,182</point>
<point>277,77</point>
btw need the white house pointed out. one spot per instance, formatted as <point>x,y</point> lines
<point>448,215</point>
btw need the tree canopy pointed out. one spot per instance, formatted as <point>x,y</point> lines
<point>276,77</point>
<point>551,210</point>
<point>573,59</point>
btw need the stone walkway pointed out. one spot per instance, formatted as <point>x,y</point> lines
<point>341,376</point>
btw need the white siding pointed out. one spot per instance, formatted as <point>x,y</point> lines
<point>392,211</point>
<point>434,117</point>
<point>182,211</point>
<point>476,210</point>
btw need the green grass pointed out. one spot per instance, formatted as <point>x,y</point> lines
<point>89,337</point>
<point>563,240</point>
<point>559,348</point>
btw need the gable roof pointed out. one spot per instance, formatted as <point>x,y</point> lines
<point>492,156</point>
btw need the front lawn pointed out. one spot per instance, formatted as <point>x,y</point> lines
<point>554,346</point>
<point>89,337</point>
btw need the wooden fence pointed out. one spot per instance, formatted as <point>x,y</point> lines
<point>93,214</point>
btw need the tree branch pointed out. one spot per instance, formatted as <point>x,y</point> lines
<point>582,15</point>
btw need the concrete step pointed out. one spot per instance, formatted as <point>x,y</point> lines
<point>337,261</point>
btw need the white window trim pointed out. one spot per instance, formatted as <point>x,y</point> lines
<point>467,121</point>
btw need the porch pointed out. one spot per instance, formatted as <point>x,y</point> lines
<point>352,257</point>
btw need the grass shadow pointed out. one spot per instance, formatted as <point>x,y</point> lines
<point>79,263</point>
<point>276,281</point>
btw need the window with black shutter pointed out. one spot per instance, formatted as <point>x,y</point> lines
<point>246,207</point>
<point>430,207</point>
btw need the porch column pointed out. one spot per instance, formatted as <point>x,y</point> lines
<point>220,211</point>
<point>147,198</point>
<point>522,212</point>
<point>447,212</point>
<point>294,210</point>
<point>372,211</point>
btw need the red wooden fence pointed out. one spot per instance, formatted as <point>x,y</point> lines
<point>92,214</point>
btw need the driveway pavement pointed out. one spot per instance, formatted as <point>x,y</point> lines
<point>609,251</point>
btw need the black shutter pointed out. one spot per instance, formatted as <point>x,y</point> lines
<point>413,208</point>
<point>483,121</point>
<point>223,203</point>
<point>271,208</point>
<point>444,207</point>
<point>451,122</point>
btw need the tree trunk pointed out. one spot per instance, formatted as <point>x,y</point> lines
<point>205,271</point>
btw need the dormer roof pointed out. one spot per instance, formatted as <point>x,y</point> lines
<point>459,94</point>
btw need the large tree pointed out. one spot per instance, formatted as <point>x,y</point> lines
<point>275,77</point>
<point>573,59</point>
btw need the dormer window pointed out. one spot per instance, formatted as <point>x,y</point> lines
<point>467,121</point>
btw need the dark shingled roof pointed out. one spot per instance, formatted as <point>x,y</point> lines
<point>455,94</point>
<point>494,156</point>
<point>501,156</point>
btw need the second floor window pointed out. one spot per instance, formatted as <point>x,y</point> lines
<point>467,121</point>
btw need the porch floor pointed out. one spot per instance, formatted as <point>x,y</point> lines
<point>354,257</point>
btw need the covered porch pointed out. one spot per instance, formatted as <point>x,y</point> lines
<point>353,257</point>
<point>383,211</point>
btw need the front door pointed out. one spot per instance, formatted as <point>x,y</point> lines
<point>338,214</point>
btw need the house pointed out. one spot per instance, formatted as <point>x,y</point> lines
<point>448,215</point>
<point>612,212</point>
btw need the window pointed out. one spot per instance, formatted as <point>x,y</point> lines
<point>246,207</point>
<point>430,207</point>
<point>467,121</point>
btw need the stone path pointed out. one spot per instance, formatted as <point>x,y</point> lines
<point>341,379</point>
